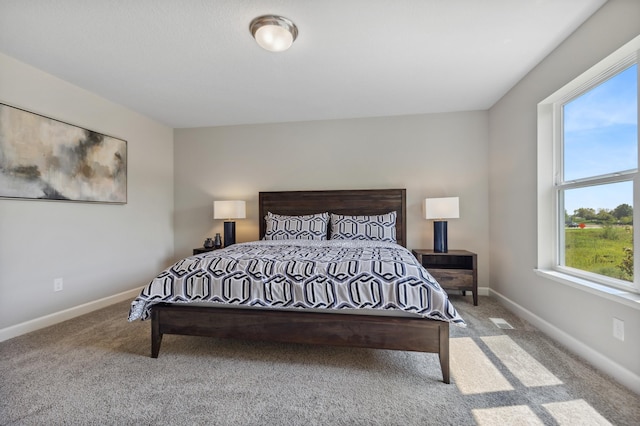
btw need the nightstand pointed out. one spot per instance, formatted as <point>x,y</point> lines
<point>454,270</point>
<point>203,250</point>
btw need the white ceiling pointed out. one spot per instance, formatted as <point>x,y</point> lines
<point>192,63</point>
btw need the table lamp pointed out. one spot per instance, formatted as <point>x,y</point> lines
<point>229,210</point>
<point>439,209</point>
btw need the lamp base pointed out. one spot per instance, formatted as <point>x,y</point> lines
<point>229,233</point>
<point>440,236</point>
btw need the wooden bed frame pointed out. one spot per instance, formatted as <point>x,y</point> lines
<point>337,329</point>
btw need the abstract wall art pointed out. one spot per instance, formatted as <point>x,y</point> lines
<point>46,159</point>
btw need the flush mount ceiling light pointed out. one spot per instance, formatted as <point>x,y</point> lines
<point>273,33</point>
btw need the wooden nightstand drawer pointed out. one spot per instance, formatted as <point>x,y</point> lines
<point>454,270</point>
<point>453,278</point>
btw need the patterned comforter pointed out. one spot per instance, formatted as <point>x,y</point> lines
<point>302,274</point>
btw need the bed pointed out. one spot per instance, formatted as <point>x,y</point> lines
<point>281,314</point>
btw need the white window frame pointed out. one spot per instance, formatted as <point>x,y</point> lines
<point>551,219</point>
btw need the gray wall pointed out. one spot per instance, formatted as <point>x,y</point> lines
<point>99,250</point>
<point>582,320</point>
<point>430,155</point>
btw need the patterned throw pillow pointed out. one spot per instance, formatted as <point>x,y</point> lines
<point>375,227</point>
<point>308,227</point>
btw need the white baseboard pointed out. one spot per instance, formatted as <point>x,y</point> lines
<point>598,360</point>
<point>483,291</point>
<point>57,317</point>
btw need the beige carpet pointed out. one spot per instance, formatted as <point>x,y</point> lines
<point>96,369</point>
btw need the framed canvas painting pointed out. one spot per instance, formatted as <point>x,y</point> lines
<point>46,159</point>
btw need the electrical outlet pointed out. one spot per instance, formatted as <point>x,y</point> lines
<point>618,329</point>
<point>57,284</point>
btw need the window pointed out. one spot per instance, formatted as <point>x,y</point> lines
<point>588,175</point>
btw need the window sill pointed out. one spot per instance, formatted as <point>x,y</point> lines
<point>626,298</point>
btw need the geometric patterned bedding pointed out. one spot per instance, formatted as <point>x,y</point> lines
<point>302,274</point>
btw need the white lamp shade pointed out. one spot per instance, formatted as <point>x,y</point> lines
<point>229,209</point>
<point>442,208</point>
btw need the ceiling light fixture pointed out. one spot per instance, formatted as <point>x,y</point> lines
<point>273,33</point>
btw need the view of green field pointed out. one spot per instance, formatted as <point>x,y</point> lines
<point>605,250</point>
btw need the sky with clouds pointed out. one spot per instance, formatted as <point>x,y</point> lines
<point>601,137</point>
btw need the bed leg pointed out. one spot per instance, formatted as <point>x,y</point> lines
<point>444,353</point>
<point>156,336</point>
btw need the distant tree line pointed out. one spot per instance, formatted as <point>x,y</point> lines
<point>623,215</point>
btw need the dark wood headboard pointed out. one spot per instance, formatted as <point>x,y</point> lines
<point>348,202</point>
